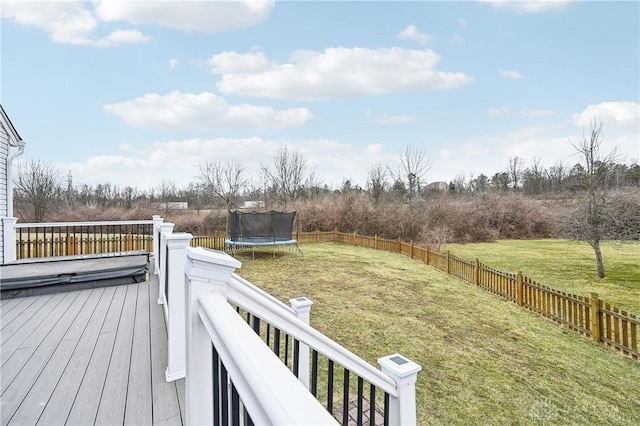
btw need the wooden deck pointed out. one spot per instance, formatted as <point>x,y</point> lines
<point>94,356</point>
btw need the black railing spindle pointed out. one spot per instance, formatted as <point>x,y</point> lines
<point>345,398</point>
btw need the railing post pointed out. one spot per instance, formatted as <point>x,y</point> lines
<point>402,409</point>
<point>174,308</point>
<point>157,221</point>
<point>205,271</point>
<point>596,317</point>
<point>9,241</point>
<point>302,308</point>
<point>520,288</point>
<point>476,272</point>
<point>165,229</point>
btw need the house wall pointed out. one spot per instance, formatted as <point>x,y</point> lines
<point>4,156</point>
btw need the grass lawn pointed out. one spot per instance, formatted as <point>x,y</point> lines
<point>566,266</point>
<point>485,360</point>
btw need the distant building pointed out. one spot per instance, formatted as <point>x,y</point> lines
<point>252,205</point>
<point>171,205</point>
<point>437,187</point>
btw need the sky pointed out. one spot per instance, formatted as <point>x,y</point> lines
<point>137,92</point>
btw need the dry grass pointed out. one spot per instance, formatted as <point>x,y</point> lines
<point>485,361</point>
<point>567,266</point>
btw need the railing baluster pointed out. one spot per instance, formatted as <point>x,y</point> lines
<point>372,405</point>
<point>330,387</point>
<point>276,342</point>
<point>216,385</point>
<point>314,373</point>
<point>296,357</point>
<point>224,393</point>
<point>345,398</point>
<point>235,406</point>
<point>386,409</point>
<point>360,396</point>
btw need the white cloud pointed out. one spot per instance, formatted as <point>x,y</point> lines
<point>513,75</point>
<point>345,72</point>
<point>232,62</point>
<point>68,22</point>
<point>609,113</point>
<point>497,112</point>
<point>204,111</point>
<point>77,22</point>
<point>173,63</point>
<point>202,16</point>
<point>525,6</point>
<point>462,23</point>
<point>122,37</point>
<point>384,119</point>
<point>411,33</point>
<point>536,112</point>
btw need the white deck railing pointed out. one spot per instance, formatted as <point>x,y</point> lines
<point>198,288</point>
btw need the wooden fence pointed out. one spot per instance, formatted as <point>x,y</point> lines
<point>588,316</point>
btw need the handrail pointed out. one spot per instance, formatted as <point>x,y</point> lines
<point>259,303</point>
<point>270,393</point>
<point>70,224</point>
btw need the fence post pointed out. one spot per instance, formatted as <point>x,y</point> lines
<point>520,288</point>
<point>302,308</point>
<point>402,409</point>
<point>426,254</point>
<point>355,236</point>
<point>165,230</point>
<point>411,249</point>
<point>10,242</point>
<point>476,272</point>
<point>205,271</point>
<point>335,235</point>
<point>448,267</point>
<point>157,221</point>
<point>375,241</point>
<point>399,245</point>
<point>175,307</point>
<point>596,317</point>
<point>317,235</point>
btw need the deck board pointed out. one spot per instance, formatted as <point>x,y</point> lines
<point>94,356</point>
<point>59,318</point>
<point>139,410</point>
<point>61,399</point>
<point>41,392</point>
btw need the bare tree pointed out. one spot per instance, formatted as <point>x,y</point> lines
<point>166,192</point>
<point>515,169</point>
<point>38,188</point>
<point>414,165</point>
<point>288,174</point>
<point>594,219</point>
<point>226,181</point>
<point>556,175</point>
<point>377,181</point>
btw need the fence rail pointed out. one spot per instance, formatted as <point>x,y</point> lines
<point>588,316</point>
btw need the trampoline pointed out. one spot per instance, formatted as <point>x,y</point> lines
<point>270,229</point>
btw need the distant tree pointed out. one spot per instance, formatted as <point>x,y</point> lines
<point>533,177</point>
<point>501,181</point>
<point>414,165</point>
<point>377,182</point>
<point>480,184</point>
<point>226,181</point>
<point>596,218</point>
<point>166,192</point>
<point>515,168</point>
<point>38,188</point>
<point>288,174</point>
<point>556,176</point>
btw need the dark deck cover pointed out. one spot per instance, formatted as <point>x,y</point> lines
<point>48,275</point>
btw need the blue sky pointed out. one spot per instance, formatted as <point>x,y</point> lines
<point>133,92</point>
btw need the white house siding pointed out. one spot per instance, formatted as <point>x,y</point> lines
<point>4,156</point>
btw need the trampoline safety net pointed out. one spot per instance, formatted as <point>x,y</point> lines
<point>254,227</point>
